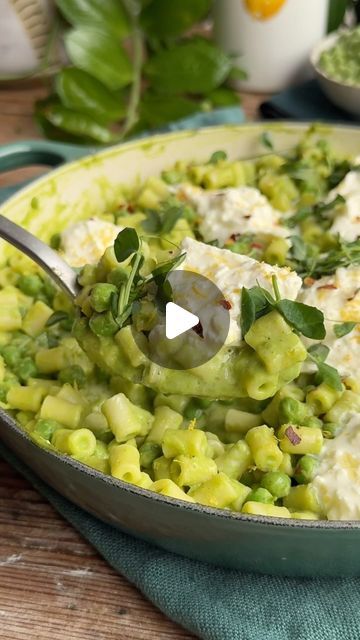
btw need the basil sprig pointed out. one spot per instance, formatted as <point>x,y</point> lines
<point>132,66</point>
<point>257,302</point>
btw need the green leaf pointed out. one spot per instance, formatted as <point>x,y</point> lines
<point>217,156</point>
<point>307,320</point>
<point>247,317</point>
<point>160,273</point>
<point>266,140</point>
<point>195,66</point>
<point>170,18</point>
<point>318,352</point>
<point>126,243</point>
<point>80,91</point>
<point>56,317</point>
<point>100,54</point>
<point>223,97</point>
<point>103,14</point>
<point>78,124</point>
<point>237,74</point>
<point>152,222</point>
<point>330,376</point>
<point>344,328</point>
<point>172,215</point>
<point>262,299</point>
<point>337,9</point>
<point>156,110</point>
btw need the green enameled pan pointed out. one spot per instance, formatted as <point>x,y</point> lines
<point>81,189</point>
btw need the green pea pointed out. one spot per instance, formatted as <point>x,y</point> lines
<point>74,375</point>
<point>149,451</point>
<point>260,495</point>
<point>46,428</point>
<point>217,156</point>
<point>117,276</point>
<point>9,381</point>
<point>277,483</point>
<point>293,411</point>
<point>31,285</point>
<point>12,355</point>
<point>172,177</point>
<point>55,241</point>
<point>100,296</point>
<point>26,369</point>
<point>305,469</point>
<point>87,275</point>
<point>103,324</point>
<point>49,290</point>
<point>331,430</point>
<point>192,410</point>
<point>313,422</point>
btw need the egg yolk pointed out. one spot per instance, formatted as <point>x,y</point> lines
<point>263,9</point>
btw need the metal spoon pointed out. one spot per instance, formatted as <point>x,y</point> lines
<point>64,276</point>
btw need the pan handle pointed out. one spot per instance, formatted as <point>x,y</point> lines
<point>36,152</point>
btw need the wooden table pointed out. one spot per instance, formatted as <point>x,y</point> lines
<point>53,585</point>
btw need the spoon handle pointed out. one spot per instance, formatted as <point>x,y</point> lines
<point>64,276</point>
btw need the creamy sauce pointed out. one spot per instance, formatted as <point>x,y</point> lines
<point>337,482</point>
<point>234,210</point>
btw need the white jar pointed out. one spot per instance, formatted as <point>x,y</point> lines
<point>270,39</point>
<point>25,27</point>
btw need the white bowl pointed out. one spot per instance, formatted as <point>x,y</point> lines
<point>342,94</point>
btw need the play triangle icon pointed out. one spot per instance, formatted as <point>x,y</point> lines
<point>178,320</point>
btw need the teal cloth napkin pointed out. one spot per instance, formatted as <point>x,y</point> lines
<point>215,603</point>
<point>304,102</point>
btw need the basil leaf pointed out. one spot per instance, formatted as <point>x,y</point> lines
<point>79,124</point>
<point>217,156</point>
<point>126,243</point>
<point>307,320</point>
<point>80,91</point>
<point>194,66</point>
<point>318,352</point>
<point>169,18</point>
<point>223,97</point>
<point>266,140</point>
<point>156,110</point>
<point>56,317</point>
<point>344,328</point>
<point>104,14</point>
<point>172,215</point>
<point>248,313</point>
<point>330,376</point>
<point>100,54</point>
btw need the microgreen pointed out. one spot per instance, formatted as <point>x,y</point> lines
<point>344,328</point>
<point>163,220</point>
<point>57,316</point>
<point>319,211</point>
<point>257,301</point>
<point>266,140</point>
<point>327,374</point>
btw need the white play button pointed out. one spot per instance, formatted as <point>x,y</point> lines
<point>178,320</point>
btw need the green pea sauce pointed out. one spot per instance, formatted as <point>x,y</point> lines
<point>342,61</point>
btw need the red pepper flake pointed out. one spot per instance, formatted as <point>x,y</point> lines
<point>327,286</point>
<point>256,245</point>
<point>130,208</point>
<point>292,436</point>
<point>225,304</point>
<point>308,282</point>
<point>199,329</point>
<point>234,236</point>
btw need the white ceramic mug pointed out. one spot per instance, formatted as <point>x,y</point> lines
<point>270,39</point>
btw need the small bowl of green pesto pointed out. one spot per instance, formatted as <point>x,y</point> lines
<point>336,60</point>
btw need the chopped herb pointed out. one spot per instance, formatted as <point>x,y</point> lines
<point>164,220</point>
<point>318,354</point>
<point>217,156</point>
<point>318,212</point>
<point>266,140</point>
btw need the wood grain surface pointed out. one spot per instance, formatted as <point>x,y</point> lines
<point>53,585</point>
